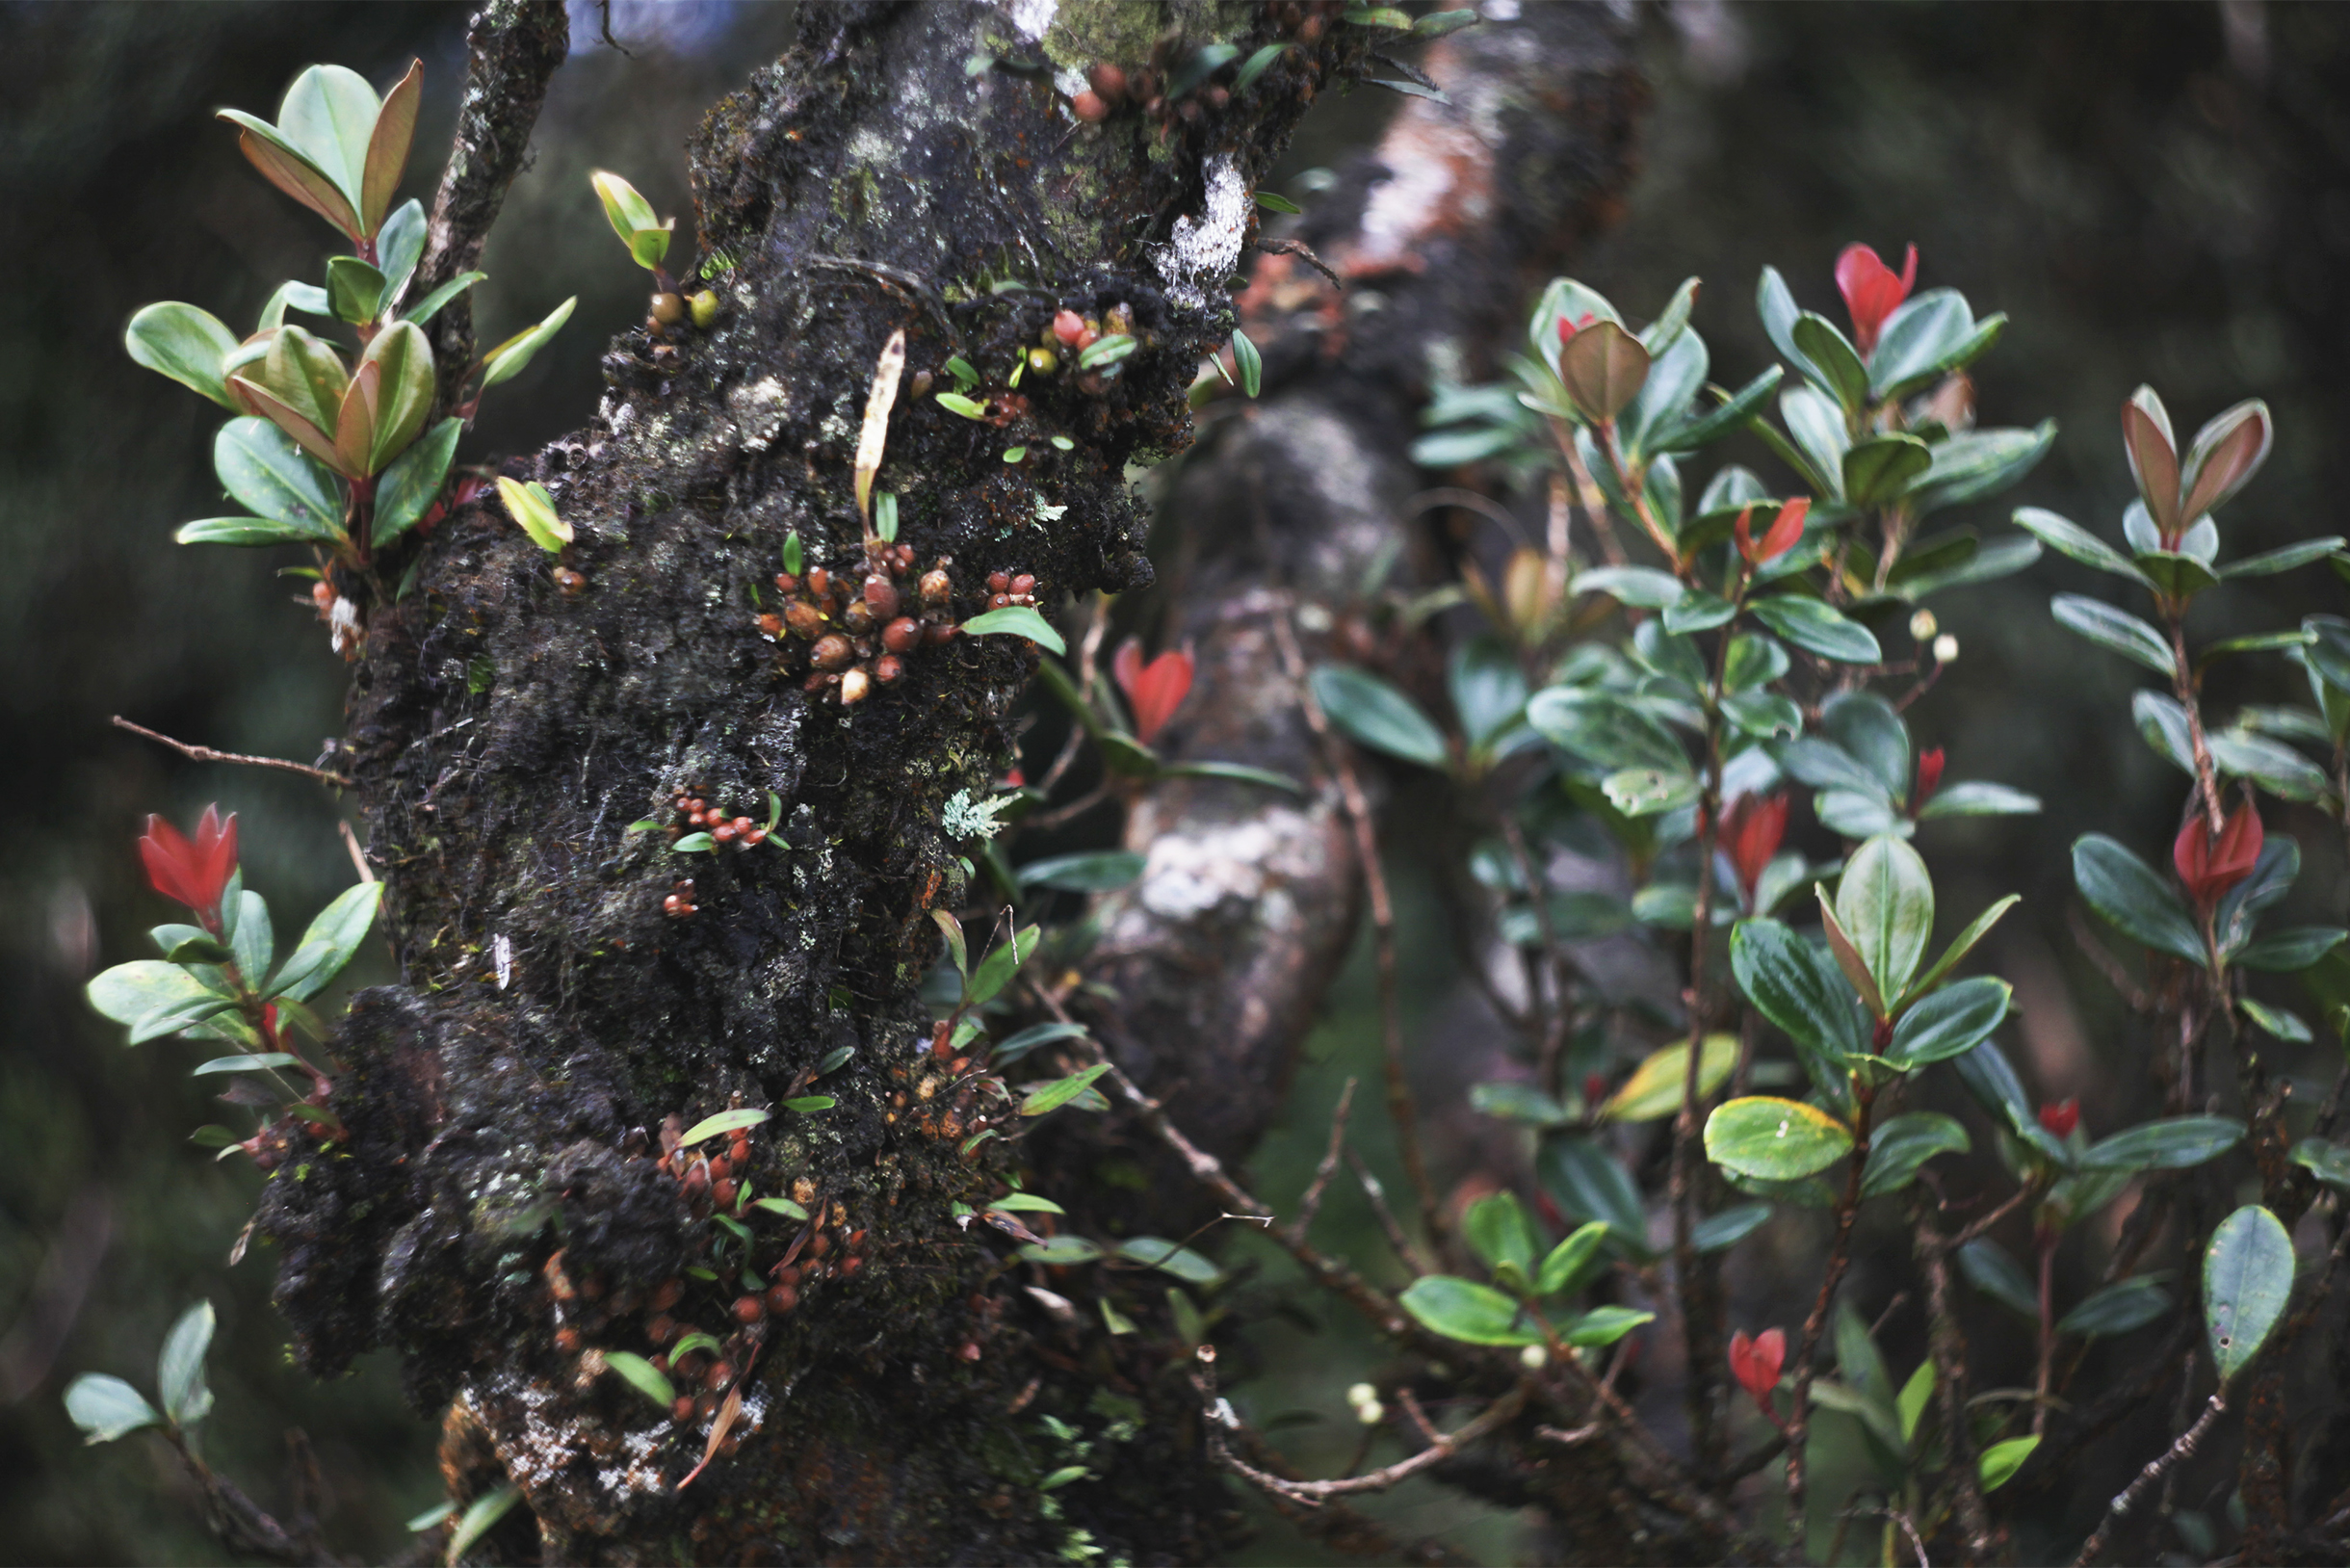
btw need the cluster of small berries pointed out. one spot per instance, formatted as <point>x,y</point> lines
<point>1109,87</point>
<point>710,1181</point>
<point>943,1101</point>
<point>680,901</point>
<point>858,635</point>
<point>1071,333</point>
<point>696,812</point>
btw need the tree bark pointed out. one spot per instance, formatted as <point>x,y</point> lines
<point>498,1215</point>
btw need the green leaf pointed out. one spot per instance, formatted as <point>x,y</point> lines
<point>1030,1038</point>
<point>1917,340</point>
<point>1112,346</point>
<point>1245,356</point>
<point>1464,1310</point>
<point>808,1105</point>
<point>1573,1260</point>
<point>106,1407</point>
<point>1949,1022</point>
<point>1603,729</point>
<point>1062,1251</point>
<point>186,344</point>
<point>2289,952</point>
<point>1979,799</point>
<point>400,245</point>
<point>269,472</point>
<point>1024,1203</point>
<point>1975,463</point>
<point>1603,368</point>
<point>1990,1269</point>
<point>1718,1232</point>
<point>1099,871</point>
<point>1905,1142</point>
<point>1837,368</point>
<point>996,970</point>
<point>1820,439</point>
<point>425,309</point>
<point>1505,1101</point>
<point>2069,538</point>
<point>533,511</point>
<point>1910,1404</point>
<point>1797,987</point>
<point>1643,587</point>
<point>1376,714</point>
<point>329,942</point>
<point>2117,629</point>
<point>239,531</point>
<point>291,295</point>
<point>1885,902</point>
<point>1060,1090</point>
<point>1698,611</point>
<point>693,844</point>
<point>1437,23</point>
<point>1254,67</point>
<point>643,1377</point>
<point>2248,1275</point>
<point>329,115</point>
<point>506,360</point>
<point>179,1371</point>
<point>406,390</point>
<point>294,170</point>
<point>1735,410</point>
<point>725,1121</point>
<point>2271,561</point>
<point>1817,627</point>
<point>189,945</point>
<point>154,998</point>
<point>1589,1184</point>
<point>355,289</point>
<point>2002,1460</point>
<point>2117,1309</point>
<point>1866,728</point>
<point>1764,714</point>
<point>1156,1252</point>
<point>1500,1232</point>
<point>252,1063</point>
<point>1604,1326</point>
<point>1016,620</point>
<point>407,489</point>
<point>1880,470</point>
<point>2172,1143</point>
<point>1775,1139</point>
<point>2327,1161</point>
<point>1653,1088</point>
<point>2124,889</point>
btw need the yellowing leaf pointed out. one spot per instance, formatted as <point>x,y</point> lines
<point>875,434</point>
<point>1653,1088</point>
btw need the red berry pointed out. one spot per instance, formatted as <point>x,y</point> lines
<point>1068,325</point>
<point>567,1341</point>
<point>902,635</point>
<point>881,595</point>
<point>750,1309</point>
<point>668,1293</point>
<point>722,1373</point>
<point>998,582</point>
<point>722,1194</point>
<point>1025,583</point>
<point>781,1298</point>
<point>1089,107</point>
<point>887,669</point>
<point>720,1168</point>
<point>661,1330</point>
<point>683,1410</point>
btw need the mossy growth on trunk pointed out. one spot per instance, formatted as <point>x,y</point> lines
<point>499,1215</point>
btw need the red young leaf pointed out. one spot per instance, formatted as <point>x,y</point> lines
<point>192,874</point>
<point>2209,869</point>
<point>1155,690</point>
<point>1755,1362</point>
<point>1929,779</point>
<point>2061,1117</point>
<point>1872,291</point>
<point>1751,830</point>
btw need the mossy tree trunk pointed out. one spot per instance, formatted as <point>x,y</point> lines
<point>902,168</point>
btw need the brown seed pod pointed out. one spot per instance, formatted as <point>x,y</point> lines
<point>889,669</point>
<point>998,601</point>
<point>881,595</point>
<point>998,582</point>
<point>668,1293</point>
<point>720,1169</point>
<point>1108,80</point>
<point>771,626</point>
<point>937,588</point>
<point>819,1245</point>
<point>1088,107</point>
<point>939,631</point>
<point>668,309</point>
<point>567,1341</point>
<point>739,1150</point>
<point>858,617</point>
<point>902,635</point>
<point>819,582</point>
<point>741,826</point>
<point>661,1330</point>
<point>706,1407</point>
<point>1025,583</point>
<point>786,582</point>
<point>724,832</point>
<point>719,1377</point>
<point>849,1267</point>
<point>722,1194</point>
<point>571,583</point>
<point>782,1299</point>
<point>832,652</point>
<point>750,1309</point>
<point>682,1411</point>
<point>803,617</point>
<point>787,1273</point>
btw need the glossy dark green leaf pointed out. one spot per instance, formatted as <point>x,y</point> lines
<point>1797,987</point>
<point>1730,417</point>
<point>1817,627</point>
<point>1950,1022</point>
<point>1975,463</point>
<point>1902,1143</point>
<point>407,489</point>
<point>2248,1276</point>
<point>1995,1085</point>
<point>1604,1326</point>
<point>1698,611</point>
<point>269,472</point>
<point>1836,367</point>
<point>1167,1257</point>
<point>1979,799</point>
<point>1775,1139</point>
<point>1254,67</point>
<point>2327,1161</point>
<point>1500,1232</point>
<point>2289,952</point>
<point>1826,766</point>
<point>2118,1309</point>
<point>1060,1091</point>
<point>1642,587</point>
<point>1572,1262</point>
<point>641,1375</point>
<point>1486,685</point>
<point>1096,871</point>
<point>1716,1233</point>
<point>1880,470</point>
<point>2178,575</point>
<point>239,531</point>
<point>355,289</point>
<point>154,998</point>
<point>2069,538</point>
<point>2113,629</point>
<point>1917,340</point>
<point>1587,1183</point>
<point>1990,1269</point>
<point>1764,714</point>
<point>2172,1143</point>
<point>2124,889</point>
<point>329,942</point>
<point>1374,714</point>
<point>1677,370</point>
<point>1869,730</point>
<point>1884,904</point>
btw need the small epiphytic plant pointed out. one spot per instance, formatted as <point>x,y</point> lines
<point>647,238</point>
<point>106,1407</point>
<point>331,453</point>
<point>215,983</point>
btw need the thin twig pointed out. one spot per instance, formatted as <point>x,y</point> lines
<point>1311,1204</point>
<point>359,856</point>
<point>1400,1106</point>
<point>1396,1237</point>
<point>1297,248</point>
<point>2157,1468</point>
<point>1443,1445</point>
<point>1946,1345</point>
<point>1839,1254</point>
<point>205,753</point>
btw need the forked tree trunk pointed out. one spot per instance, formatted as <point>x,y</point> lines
<point>498,1217</point>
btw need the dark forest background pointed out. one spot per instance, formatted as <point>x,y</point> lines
<point>2153,192</point>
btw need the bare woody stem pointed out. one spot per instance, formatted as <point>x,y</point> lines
<point>1401,1108</point>
<point>205,753</point>
<point>1839,1254</point>
<point>2155,1469</point>
<point>2182,684</point>
<point>1946,1345</point>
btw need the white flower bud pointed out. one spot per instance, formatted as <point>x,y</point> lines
<point>1923,625</point>
<point>1370,1413</point>
<point>1361,1393</point>
<point>1534,1358</point>
<point>1945,649</point>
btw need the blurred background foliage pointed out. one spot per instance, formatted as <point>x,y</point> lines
<point>2153,192</point>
